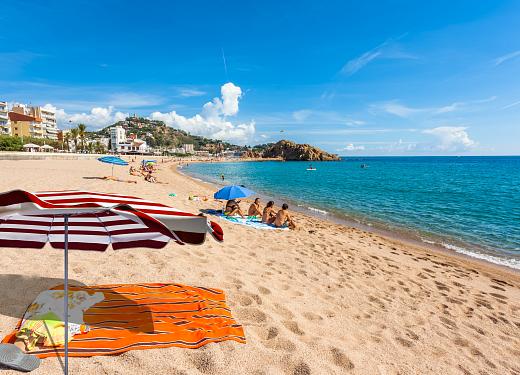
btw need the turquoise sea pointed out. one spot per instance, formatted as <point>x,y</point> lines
<point>466,204</point>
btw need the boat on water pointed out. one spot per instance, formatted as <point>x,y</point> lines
<point>311,168</point>
<point>364,166</point>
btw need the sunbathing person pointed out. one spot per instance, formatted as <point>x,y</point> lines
<point>134,172</point>
<point>283,219</point>
<point>269,214</point>
<point>150,178</point>
<point>232,208</point>
<point>254,209</point>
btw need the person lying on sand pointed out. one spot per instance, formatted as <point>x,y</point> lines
<point>134,172</point>
<point>269,215</point>
<point>283,218</point>
<point>232,208</point>
<point>254,209</point>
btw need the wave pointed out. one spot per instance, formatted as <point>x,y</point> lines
<point>500,260</point>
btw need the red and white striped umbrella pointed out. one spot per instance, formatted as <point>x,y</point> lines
<point>97,220</point>
<point>92,221</point>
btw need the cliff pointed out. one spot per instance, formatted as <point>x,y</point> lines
<point>288,150</point>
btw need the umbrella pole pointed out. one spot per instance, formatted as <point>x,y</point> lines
<point>66,291</point>
<point>112,170</point>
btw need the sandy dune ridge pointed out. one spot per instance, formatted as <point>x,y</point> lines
<point>335,301</point>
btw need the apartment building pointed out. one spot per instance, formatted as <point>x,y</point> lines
<point>35,122</point>
<point>5,126</point>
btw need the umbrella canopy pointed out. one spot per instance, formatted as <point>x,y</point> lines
<point>144,162</point>
<point>31,145</point>
<point>112,160</point>
<point>232,192</point>
<point>92,221</point>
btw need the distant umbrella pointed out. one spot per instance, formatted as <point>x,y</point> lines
<point>232,192</point>
<point>114,160</point>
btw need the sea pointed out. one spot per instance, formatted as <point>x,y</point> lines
<point>470,205</point>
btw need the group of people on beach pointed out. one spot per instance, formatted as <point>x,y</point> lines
<point>146,171</point>
<point>269,215</point>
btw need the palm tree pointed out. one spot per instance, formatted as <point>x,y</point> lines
<point>66,140</point>
<point>82,130</point>
<point>74,136</point>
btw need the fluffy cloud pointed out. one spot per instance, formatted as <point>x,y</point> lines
<point>352,147</point>
<point>452,138</point>
<point>98,116</point>
<point>212,121</point>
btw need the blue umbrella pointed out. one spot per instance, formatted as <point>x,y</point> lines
<point>232,192</point>
<point>114,160</point>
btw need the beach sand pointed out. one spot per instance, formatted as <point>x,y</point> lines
<point>335,301</point>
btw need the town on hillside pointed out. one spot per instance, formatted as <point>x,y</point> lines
<point>35,129</point>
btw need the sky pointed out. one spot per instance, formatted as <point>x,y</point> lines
<point>352,77</point>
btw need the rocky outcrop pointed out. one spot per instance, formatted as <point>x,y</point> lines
<point>288,150</point>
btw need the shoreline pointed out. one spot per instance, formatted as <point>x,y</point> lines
<point>393,235</point>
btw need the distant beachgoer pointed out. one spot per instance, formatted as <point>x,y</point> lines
<point>222,177</point>
<point>150,178</point>
<point>254,209</point>
<point>233,208</point>
<point>283,218</point>
<point>269,214</point>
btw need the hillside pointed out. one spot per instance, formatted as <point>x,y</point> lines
<point>157,134</point>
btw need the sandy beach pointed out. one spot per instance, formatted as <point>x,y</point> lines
<point>323,299</point>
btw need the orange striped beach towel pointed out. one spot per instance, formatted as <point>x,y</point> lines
<point>149,316</point>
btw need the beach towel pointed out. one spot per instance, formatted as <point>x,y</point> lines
<point>250,221</point>
<point>148,316</point>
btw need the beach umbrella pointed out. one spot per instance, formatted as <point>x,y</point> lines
<point>82,220</point>
<point>232,192</point>
<point>114,160</point>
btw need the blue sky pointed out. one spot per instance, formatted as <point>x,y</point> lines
<point>356,78</point>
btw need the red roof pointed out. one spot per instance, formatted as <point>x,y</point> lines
<point>14,116</point>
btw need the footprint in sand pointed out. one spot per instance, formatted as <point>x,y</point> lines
<point>251,314</point>
<point>311,316</point>
<point>264,290</point>
<point>340,359</point>
<point>293,327</point>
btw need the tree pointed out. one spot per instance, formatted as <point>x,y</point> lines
<point>74,133</point>
<point>82,130</point>
<point>66,140</point>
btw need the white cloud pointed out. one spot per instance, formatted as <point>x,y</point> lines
<point>97,118</point>
<point>212,121</point>
<point>386,50</point>
<point>514,104</point>
<point>452,138</point>
<point>401,110</point>
<point>188,93</point>
<point>352,147</point>
<point>359,62</point>
<point>352,122</point>
<point>504,58</point>
<point>302,115</point>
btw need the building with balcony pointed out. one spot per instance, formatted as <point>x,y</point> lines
<point>23,125</point>
<point>117,137</point>
<point>5,126</point>
<point>43,122</point>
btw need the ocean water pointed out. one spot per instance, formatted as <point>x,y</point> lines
<point>466,204</point>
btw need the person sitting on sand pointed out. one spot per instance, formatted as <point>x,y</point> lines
<point>254,209</point>
<point>269,215</point>
<point>150,178</point>
<point>283,218</point>
<point>134,172</point>
<point>232,208</point>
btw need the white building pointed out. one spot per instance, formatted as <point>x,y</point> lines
<point>5,126</point>
<point>49,127</point>
<point>188,148</point>
<point>117,137</point>
<point>136,146</point>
